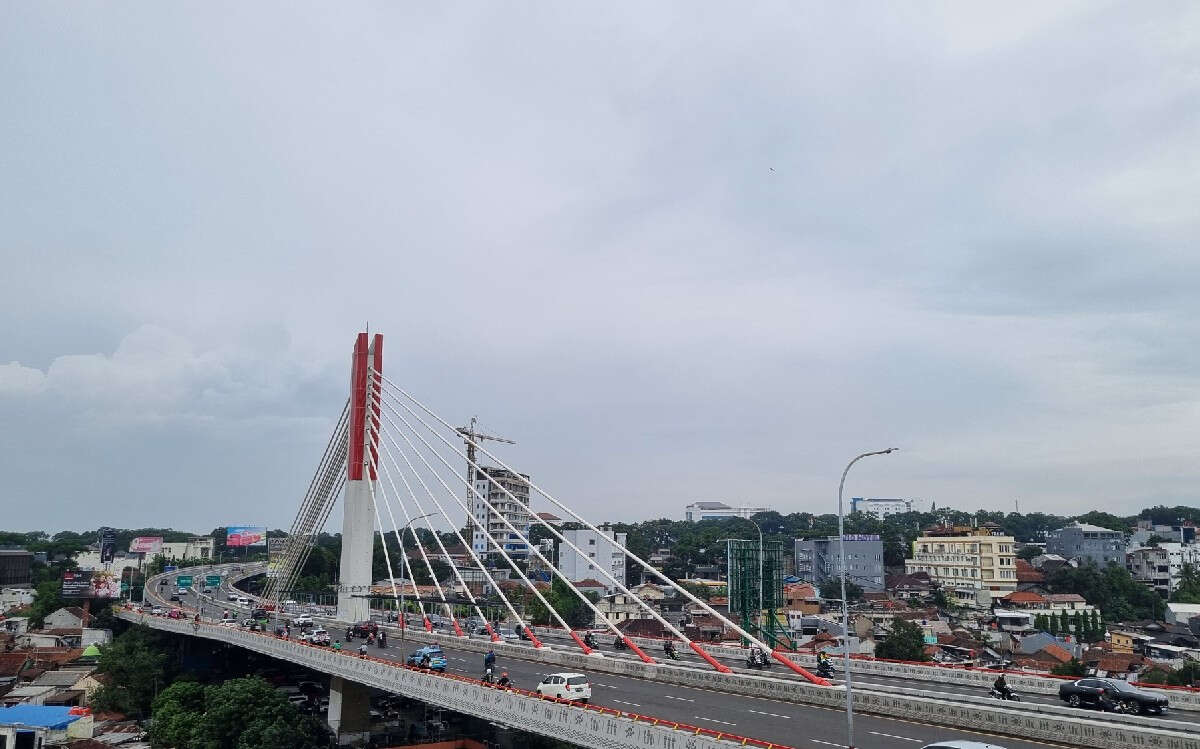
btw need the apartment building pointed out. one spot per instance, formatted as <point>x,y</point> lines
<point>697,511</point>
<point>497,485</point>
<point>1161,566</point>
<point>966,560</point>
<point>1088,543</point>
<point>819,559</point>
<point>880,507</point>
<point>600,551</point>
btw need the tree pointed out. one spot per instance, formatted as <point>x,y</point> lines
<point>48,600</point>
<point>1071,668</point>
<point>906,642</point>
<point>1041,623</point>
<point>832,589</point>
<point>243,713</point>
<point>1189,586</point>
<point>137,666</point>
<point>1028,552</point>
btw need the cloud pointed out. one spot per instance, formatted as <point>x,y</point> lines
<point>678,252</point>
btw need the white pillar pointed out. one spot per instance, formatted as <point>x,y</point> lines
<point>358,542</point>
<point>349,709</point>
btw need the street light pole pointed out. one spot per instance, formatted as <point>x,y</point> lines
<point>845,606</point>
<point>403,619</point>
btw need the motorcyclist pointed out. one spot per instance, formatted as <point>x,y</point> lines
<point>489,660</point>
<point>487,674</point>
<point>669,649</point>
<point>1000,685</point>
<point>337,645</point>
<point>382,639</point>
<point>589,639</point>
<point>755,656</point>
<point>504,680</point>
<point>362,650</point>
<point>619,643</point>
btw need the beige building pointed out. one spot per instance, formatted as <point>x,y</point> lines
<point>197,548</point>
<point>966,561</point>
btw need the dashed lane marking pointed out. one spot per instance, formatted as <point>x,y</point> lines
<point>631,704</point>
<point>893,736</point>
<point>714,720</point>
<point>681,699</point>
<point>773,715</point>
<point>827,743</point>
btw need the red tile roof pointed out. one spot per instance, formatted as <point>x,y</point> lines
<point>1021,596</point>
<point>1057,653</point>
<point>1027,573</point>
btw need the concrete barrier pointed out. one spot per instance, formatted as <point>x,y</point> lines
<point>586,726</point>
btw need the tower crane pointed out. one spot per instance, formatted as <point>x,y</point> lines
<point>472,437</point>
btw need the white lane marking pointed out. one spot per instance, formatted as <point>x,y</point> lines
<point>827,743</point>
<point>631,704</point>
<point>681,699</point>
<point>773,715</point>
<point>607,686</point>
<point>714,720</point>
<point>892,736</point>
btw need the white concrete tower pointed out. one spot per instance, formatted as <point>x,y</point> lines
<point>358,510</point>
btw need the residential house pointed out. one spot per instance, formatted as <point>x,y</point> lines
<point>618,608</point>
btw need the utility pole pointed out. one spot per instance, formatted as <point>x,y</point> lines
<point>471,437</point>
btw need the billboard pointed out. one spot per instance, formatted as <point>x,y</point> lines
<point>184,581</point>
<point>98,584</point>
<point>245,535</point>
<point>146,545</point>
<point>108,545</point>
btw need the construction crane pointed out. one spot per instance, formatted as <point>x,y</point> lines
<point>471,437</point>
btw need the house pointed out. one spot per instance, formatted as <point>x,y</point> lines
<point>906,586</point>
<point>802,599</point>
<point>1019,622</point>
<point>50,726</point>
<point>1070,602</point>
<point>1127,642</point>
<point>1028,576</point>
<point>591,585</point>
<point>1182,613</point>
<point>618,608</point>
<point>1024,600</point>
<point>68,617</point>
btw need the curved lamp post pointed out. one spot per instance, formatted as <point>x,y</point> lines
<point>845,607</point>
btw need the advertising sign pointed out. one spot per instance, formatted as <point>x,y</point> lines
<point>108,545</point>
<point>212,581</point>
<point>170,568</point>
<point>184,581</point>
<point>245,535</point>
<point>146,545</point>
<point>96,584</point>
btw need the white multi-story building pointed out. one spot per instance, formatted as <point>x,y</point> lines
<point>966,560</point>
<point>196,548</point>
<point>1160,566</point>
<point>515,512</point>
<point>601,551</point>
<point>711,510</point>
<point>880,508</point>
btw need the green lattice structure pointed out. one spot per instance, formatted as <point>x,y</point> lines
<point>743,569</point>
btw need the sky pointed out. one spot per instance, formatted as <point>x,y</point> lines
<point>676,251</point>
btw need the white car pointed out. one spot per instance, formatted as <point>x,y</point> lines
<point>243,601</point>
<point>957,744</point>
<point>302,621</point>
<point>229,622</point>
<point>231,597</point>
<point>566,686</point>
<point>157,611</point>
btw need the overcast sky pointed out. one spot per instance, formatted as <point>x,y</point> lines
<point>677,251</point>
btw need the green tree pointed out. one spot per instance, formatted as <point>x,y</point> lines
<point>831,589</point>
<point>906,642</point>
<point>243,713</point>
<point>1071,668</point>
<point>137,666</point>
<point>48,600</point>
<point>1041,623</point>
<point>1189,586</point>
<point>1028,552</point>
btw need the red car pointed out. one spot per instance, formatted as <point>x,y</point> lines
<point>175,614</point>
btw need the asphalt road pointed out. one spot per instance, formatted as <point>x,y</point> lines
<point>795,725</point>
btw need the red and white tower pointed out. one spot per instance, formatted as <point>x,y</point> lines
<point>358,504</point>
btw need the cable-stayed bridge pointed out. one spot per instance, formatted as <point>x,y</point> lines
<point>395,463</point>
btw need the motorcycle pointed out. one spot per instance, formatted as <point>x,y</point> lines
<point>487,675</point>
<point>824,670</point>
<point>1010,696</point>
<point>590,640</point>
<point>756,659</point>
<point>618,644</point>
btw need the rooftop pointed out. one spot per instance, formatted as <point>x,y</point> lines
<point>1088,528</point>
<point>43,716</point>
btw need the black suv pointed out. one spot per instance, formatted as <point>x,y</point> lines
<point>1110,694</point>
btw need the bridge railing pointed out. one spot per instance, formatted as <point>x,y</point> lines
<point>585,725</point>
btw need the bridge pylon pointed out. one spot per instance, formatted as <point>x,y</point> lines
<point>358,503</point>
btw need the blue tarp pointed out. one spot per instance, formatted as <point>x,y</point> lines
<point>42,716</point>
